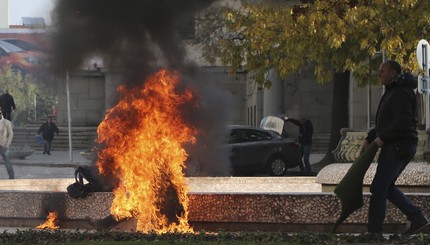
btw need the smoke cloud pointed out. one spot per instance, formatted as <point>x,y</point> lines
<point>136,38</point>
<point>131,35</point>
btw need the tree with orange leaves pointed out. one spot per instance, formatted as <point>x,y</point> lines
<point>337,37</point>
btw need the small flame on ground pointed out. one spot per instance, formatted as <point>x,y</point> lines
<point>142,138</point>
<point>50,222</point>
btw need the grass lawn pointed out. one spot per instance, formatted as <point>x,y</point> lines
<point>234,238</point>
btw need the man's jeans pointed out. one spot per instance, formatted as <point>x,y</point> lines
<point>305,151</point>
<point>5,154</point>
<point>392,161</point>
<point>47,146</point>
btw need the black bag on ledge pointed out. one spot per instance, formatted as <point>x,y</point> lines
<point>89,180</point>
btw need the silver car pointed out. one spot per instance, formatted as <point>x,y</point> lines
<point>259,151</point>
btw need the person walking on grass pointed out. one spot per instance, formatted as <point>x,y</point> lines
<point>47,130</point>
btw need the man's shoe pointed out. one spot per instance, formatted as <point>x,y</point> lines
<point>417,226</point>
<point>44,152</point>
<point>49,153</point>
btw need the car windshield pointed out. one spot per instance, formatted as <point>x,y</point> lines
<point>21,44</point>
<point>9,48</point>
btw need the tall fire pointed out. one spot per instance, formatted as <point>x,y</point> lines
<point>142,141</point>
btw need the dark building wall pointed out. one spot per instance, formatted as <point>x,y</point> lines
<point>87,98</point>
<point>303,95</point>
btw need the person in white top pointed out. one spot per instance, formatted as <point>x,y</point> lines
<point>6,136</point>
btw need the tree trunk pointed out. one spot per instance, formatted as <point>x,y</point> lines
<point>339,116</point>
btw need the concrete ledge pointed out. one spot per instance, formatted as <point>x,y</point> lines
<point>415,178</point>
<point>228,203</point>
<point>20,152</point>
<point>281,211</point>
<point>196,184</point>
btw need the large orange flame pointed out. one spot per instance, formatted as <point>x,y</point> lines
<point>142,139</point>
<point>50,222</point>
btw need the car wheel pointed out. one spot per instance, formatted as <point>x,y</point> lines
<point>276,166</point>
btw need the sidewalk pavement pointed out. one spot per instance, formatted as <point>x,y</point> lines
<point>38,166</point>
<point>60,164</point>
<point>56,159</point>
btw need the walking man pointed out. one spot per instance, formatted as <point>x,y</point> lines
<point>395,132</point>
<point>48,129</point>
<point>6,136</point>
<point>7,104</point>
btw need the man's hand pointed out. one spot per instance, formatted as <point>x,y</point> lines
<point>379,142</point>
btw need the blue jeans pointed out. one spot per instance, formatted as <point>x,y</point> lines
<point>47,146</point>
<point>5,154</point>
<point>393,159</point>
<point>305,151</point>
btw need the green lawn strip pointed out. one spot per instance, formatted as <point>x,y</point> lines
<point>234,238</point>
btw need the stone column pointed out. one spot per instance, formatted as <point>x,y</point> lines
<point>273,97</point>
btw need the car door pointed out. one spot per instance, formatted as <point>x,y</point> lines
<point>249,148</point>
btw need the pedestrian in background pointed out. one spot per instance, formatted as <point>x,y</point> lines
<point>7,104</point>
<point>306,131</point>
<point>47,129</point>
<point>6,136</point>
<point>395,132</point>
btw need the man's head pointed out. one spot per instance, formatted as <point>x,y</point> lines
<point>302,119</point>
<point>388,71</point>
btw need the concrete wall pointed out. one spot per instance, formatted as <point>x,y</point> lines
<point>4,13</point>
<point>303,95</point>
<point>87,98</point>
<point>112,81</point>
<point>232,86</point>
<point>363,105</point>
<point>92,93</point>
<point>254,101</point>
<point>273,97</point>
<point>300,94</point>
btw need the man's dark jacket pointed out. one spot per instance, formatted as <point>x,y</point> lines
<point>7,103</point>
<point>397,113</point>
<point>305,131</point>
<point>47,130</point>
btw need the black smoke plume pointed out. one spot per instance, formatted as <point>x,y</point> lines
<point>131,35</point>
<point>136,38</point>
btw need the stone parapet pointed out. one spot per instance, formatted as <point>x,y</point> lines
<point>228,203</point>
<point>208,211</point>
<point>414,178</point>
